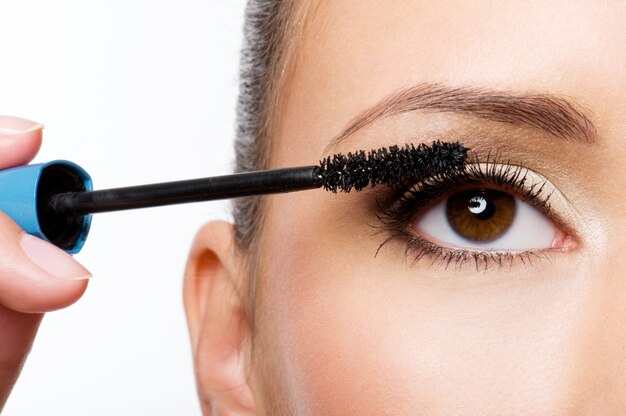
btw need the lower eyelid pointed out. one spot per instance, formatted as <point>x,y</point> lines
<point>417,249</point>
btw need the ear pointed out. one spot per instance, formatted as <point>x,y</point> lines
<point>217,321</point>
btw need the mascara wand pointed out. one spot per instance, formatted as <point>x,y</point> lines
<point>55,200</point>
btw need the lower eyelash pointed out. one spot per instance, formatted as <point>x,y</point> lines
<point>395,216</point>
<point>418,248</point>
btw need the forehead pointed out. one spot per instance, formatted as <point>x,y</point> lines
<point>354,53</point>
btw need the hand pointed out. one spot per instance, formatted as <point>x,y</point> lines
<point>35,276</point>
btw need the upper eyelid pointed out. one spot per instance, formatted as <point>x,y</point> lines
<point>557,207</point>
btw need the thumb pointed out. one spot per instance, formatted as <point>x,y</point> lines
<point>36,276</point>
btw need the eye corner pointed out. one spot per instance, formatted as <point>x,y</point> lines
<point>564,242</point>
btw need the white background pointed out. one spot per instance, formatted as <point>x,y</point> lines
<point>135,91</point>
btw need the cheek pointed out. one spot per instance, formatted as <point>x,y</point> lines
<point>347,333</point>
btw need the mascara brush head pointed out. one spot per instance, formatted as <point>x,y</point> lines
<point>390,166</point>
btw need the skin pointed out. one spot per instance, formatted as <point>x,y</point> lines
<point>340,331</point>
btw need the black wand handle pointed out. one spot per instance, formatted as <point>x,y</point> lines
<point>194,190</point>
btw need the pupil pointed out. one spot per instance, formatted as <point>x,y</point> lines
<point>482,207</point>
<point>480,215</point>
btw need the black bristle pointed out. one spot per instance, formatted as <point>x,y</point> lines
<point>390,166</point>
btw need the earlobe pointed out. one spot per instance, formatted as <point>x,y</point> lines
<point>218,322</point>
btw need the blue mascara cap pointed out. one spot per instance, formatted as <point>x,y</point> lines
<point>25,191</point>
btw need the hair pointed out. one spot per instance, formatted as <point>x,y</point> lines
<point>264,60</point>
<point>270,34</point>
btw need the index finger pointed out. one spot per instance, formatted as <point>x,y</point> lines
<point>20,140</point>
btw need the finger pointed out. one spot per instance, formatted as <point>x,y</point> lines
<point>36,276</point>
<point>20,140</point>
<point>18,331</point>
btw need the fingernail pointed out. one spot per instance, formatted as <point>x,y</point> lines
<point>11,126</point>
<point>52,259</point>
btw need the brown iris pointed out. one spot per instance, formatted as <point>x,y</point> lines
<point>480,214</point>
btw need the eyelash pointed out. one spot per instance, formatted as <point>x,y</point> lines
<point>410,201</point>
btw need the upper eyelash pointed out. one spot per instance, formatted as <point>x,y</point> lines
<point>396,214</point>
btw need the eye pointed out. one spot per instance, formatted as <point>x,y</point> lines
<point>486,219</point>
<point>487,213</point>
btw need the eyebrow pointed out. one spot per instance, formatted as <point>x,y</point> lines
<point>554,115</point>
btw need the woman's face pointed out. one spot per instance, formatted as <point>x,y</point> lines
<point>342,329</point>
